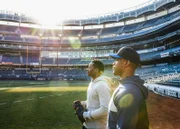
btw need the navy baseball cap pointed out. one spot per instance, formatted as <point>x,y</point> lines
<point>127,53</point>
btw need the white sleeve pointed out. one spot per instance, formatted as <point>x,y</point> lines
<point>84,103</point>
<point>104,93</point>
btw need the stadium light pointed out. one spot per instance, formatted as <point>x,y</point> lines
<point>40,35</point>
<point>79,35</point>
<point>60,35</point>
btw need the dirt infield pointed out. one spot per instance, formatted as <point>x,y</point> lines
<point>164,112</point>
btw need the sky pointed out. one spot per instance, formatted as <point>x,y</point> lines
<point>54,11</point>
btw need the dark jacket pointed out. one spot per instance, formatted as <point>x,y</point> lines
<point>127,108</point>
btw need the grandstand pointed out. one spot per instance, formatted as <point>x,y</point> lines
<point>28,51</point>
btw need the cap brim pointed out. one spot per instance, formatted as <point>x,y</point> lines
<point>115,56</point>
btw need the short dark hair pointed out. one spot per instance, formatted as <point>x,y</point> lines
<point>98,64</point>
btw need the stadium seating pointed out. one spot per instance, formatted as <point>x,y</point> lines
<point>74,61</point>
<point>47,61</point>
<point>90,32</point>
<point>110,30</point>
<point>73,33</point>
<point>30,59</point>
<point>11,58</point>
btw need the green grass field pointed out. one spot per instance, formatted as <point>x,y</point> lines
<point>40,104</point>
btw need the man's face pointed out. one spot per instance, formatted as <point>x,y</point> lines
<point>118,67</point>
<point>91,70</point>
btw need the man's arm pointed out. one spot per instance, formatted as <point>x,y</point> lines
<point>104,93</point>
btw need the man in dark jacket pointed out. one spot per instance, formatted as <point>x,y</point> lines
<point>127,108</point>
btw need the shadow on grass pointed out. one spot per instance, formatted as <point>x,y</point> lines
<point>47,110</point>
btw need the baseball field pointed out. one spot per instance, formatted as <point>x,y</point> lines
<point>48,105</point>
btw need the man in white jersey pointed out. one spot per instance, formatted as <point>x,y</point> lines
<point>98,97</point>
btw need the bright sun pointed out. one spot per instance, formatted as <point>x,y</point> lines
<point>48,13</point>
<point>49,21</point>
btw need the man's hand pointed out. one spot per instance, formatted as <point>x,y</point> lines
<point>79,110</point>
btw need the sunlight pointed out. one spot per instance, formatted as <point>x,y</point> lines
<point>48,22</point>
<point>45,89</point>
<point>126,100</point>
<point>75,43</point>
<point>51,13</point>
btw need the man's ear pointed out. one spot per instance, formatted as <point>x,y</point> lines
<point>127,62</point>
<point>96,69</point>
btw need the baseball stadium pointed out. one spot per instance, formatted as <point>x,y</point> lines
<point>44,69</point>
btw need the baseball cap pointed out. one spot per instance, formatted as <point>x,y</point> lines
<point>127,53</point>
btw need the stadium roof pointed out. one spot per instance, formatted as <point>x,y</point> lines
<point>54,11</point>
